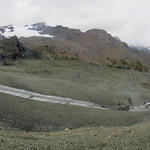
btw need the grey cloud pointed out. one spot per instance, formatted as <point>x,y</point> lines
<point>128,19</point>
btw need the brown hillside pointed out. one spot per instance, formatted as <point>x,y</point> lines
<point>94,46</point>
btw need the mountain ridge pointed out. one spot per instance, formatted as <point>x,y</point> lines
<point>94,46</point>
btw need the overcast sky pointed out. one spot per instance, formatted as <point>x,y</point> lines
<point>128,19</point>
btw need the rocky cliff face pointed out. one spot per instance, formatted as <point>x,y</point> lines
<point>57,31</point>
<point>10,50</point>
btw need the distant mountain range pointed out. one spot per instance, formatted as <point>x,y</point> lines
<point>141,48</point>
<point>94,46</point>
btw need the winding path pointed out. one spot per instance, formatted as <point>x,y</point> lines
<point>46,98</point>
<point>55,99</point>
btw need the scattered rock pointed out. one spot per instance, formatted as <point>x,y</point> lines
<point>2,140</point>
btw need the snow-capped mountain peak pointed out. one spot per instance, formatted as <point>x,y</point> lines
<point>21,31</point>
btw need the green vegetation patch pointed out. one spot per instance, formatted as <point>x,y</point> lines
<point>124,64</point>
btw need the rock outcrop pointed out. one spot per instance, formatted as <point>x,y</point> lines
<point>10,50</point>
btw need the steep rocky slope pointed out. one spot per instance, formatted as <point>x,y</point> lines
<point>10,50</point>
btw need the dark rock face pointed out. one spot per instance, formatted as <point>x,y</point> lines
<point>117,38</point>
<point>67,33</point>
<point>1,36</point>
<point>10,50</point>
<point>3,30</point>
<point>57,31</point>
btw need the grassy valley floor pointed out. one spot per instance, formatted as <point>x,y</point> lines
<point>21,114</point>
<point>32,125</point>
<point>52,127</point>
<point>78,80</point>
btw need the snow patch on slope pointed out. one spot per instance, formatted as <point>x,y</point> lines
<point>22,31</point>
